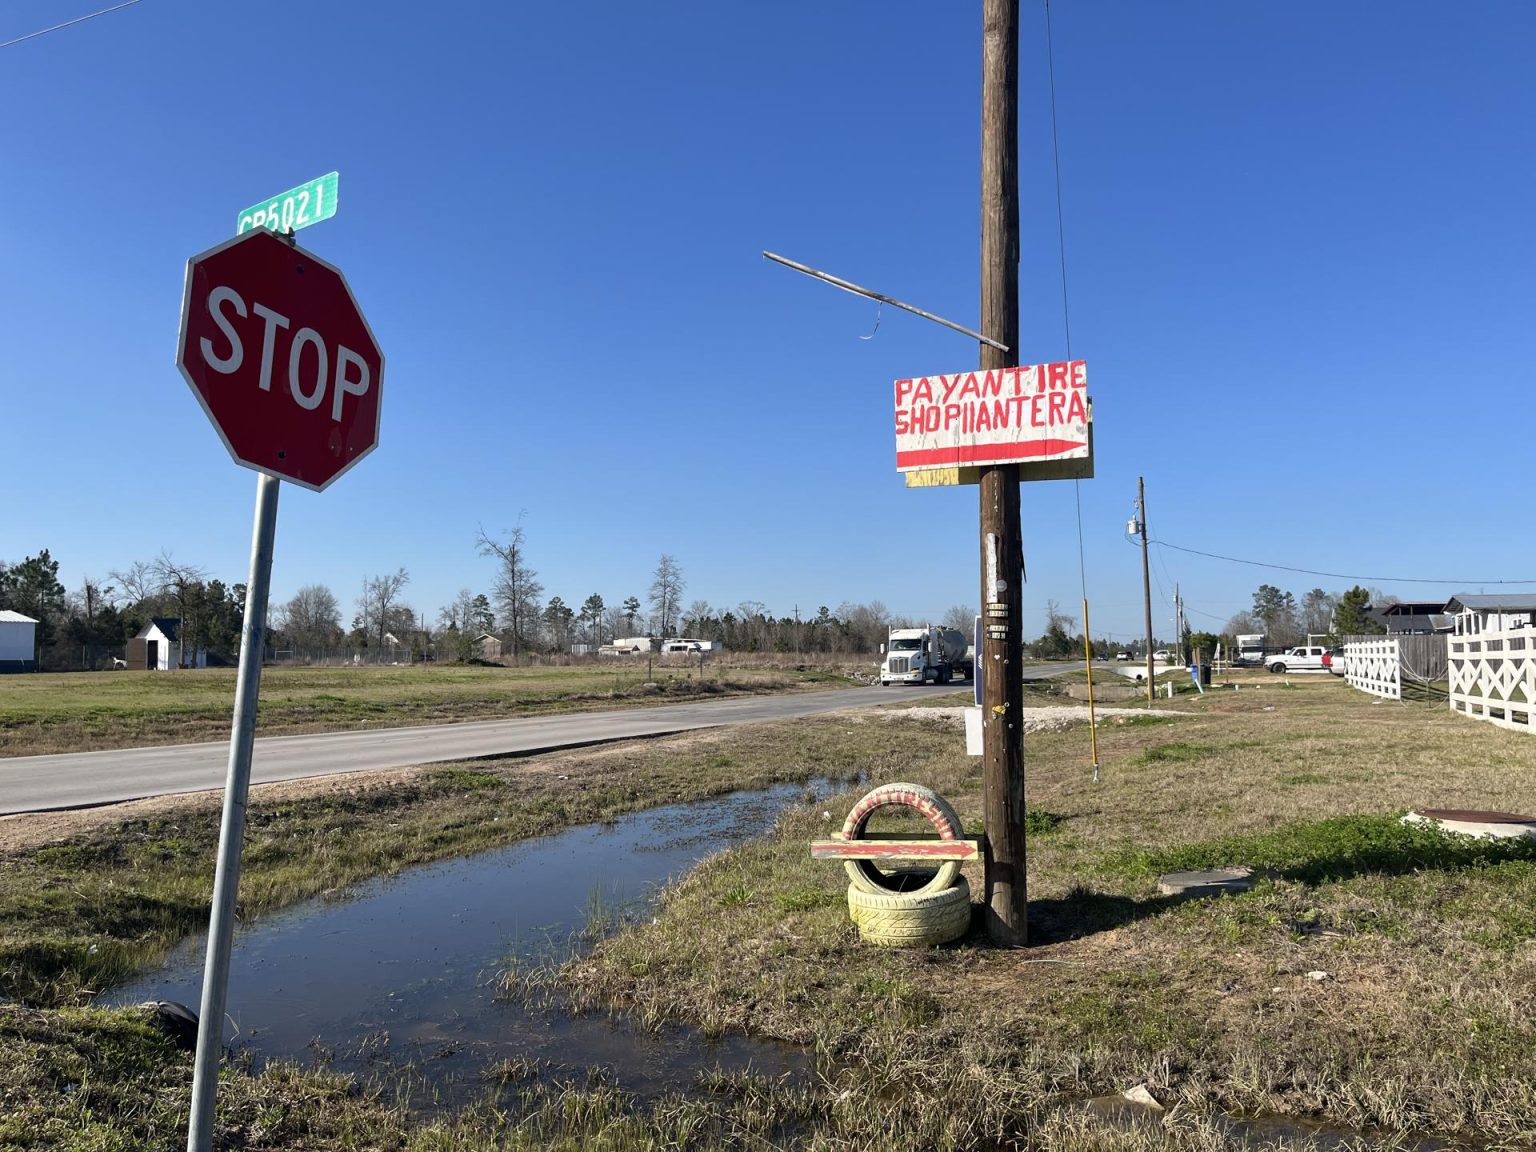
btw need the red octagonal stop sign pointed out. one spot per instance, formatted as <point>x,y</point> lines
<point>280,357</point>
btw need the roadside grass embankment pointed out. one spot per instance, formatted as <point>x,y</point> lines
<point>1421,1017</point>
<point>1382,976</point>
<point>87,711</point>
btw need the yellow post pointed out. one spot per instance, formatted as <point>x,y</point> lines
<point>1093,728</point>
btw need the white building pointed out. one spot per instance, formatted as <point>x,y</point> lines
<point>18,642</point>
<point>157,649</point>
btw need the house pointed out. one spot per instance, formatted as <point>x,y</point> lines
<point>1414,617</point>
<point>157,647</point>
<point>1491,613</point>
<point>18,642</point>
<point>488,646</point>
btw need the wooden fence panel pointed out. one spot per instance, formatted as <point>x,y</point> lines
<point>1375,666</point>
<point>1493,675</point>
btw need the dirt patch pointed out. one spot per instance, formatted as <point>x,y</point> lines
<point>1052,718</point>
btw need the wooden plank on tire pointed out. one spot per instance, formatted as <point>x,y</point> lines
<point>876,847</point>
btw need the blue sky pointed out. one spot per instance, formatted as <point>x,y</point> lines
<point>1300,250</point>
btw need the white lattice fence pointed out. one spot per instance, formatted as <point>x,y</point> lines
<point>1374,666</point>
<point>1493,676</point>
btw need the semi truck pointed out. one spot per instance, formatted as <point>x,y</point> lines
<point>918,655</point>
<point>1249,650</point>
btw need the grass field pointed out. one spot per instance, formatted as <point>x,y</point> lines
<point>1382,979</point>
<point>78,712</point>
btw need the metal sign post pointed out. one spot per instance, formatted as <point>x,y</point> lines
<point>253,305</point>
<point>226,876</point>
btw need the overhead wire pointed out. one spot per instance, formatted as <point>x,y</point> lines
<point>1066,323</point>
<point>1334,575</point>
<point>69,23</point>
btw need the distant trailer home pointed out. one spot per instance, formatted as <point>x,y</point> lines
<point>684,644</point>
<point>18,642</point>
<point>155,648</point>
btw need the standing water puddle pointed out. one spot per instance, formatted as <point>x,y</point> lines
<point>402,972</point>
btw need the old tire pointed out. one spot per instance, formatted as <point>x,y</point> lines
<point>911,919</point>
<point>865,876</point>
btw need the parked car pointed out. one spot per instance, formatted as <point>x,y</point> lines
<point>1163,656</point>
<point>1122,655</point>
<point>1333,660</point>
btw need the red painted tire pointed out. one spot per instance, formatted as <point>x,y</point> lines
<point>864,874</point>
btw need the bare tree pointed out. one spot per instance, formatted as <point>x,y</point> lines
<point>462,614</point>
<point>666,593</point>
<point>517,588</point>
<point>378,606</point>
<point>138,582</point>
<point>182,585</point>
<point>699,619</point>
<point>312,617</point>
<point>1243,624</point>
<point>962,618</point>
<point>1317,612</point>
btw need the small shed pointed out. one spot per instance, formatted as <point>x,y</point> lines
<point>488,646</point>
<point>157,649</point>
<point>18,642</point>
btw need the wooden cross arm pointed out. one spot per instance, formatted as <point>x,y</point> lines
<point>896,846</point>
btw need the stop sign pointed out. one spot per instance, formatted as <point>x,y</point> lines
<point>277,352</point>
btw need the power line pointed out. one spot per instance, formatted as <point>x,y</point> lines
<point>69,23</point>
<point>1334,575</point>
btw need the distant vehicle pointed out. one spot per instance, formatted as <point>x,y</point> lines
<point>1122,655</point>
<point>1302,658</point>
<point>1333,660</point>
<point>1163,656</point>
<point>918,655</point>
<point>1249,651</point>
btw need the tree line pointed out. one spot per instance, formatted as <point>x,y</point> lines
<point>88,626</point>
<point>1284,621</point>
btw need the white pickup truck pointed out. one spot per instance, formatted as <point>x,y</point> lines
<point>1302,658</point>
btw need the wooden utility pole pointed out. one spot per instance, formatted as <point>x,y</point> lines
<point>1146,575</point>
<point>1001,537</point>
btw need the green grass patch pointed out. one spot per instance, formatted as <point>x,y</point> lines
<point>1317,851</point>
<point>1177,753</point>
<point>1039,822</point>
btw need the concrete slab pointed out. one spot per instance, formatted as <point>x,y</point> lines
<point>1470,822</point>
<point>1209,883</point>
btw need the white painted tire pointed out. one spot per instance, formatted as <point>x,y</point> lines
<point>864,875</point>
<point>911,919</point>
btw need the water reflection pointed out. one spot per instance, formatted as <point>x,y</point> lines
<point>402,973</point>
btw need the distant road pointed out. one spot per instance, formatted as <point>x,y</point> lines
<point>84,779</point>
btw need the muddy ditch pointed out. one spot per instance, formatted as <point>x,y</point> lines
<point>401,981</point>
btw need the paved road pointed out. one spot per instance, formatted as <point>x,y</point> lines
<point>83,779</point>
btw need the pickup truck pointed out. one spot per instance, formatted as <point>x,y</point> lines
<point>1302,658</point>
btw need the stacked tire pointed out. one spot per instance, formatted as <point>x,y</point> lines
<point>907,907</point>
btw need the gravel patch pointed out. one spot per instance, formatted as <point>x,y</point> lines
<point>1052,718</point>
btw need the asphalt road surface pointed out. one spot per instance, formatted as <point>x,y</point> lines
<point>84,779</point>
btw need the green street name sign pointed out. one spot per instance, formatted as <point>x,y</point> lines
<point>297,208</point>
